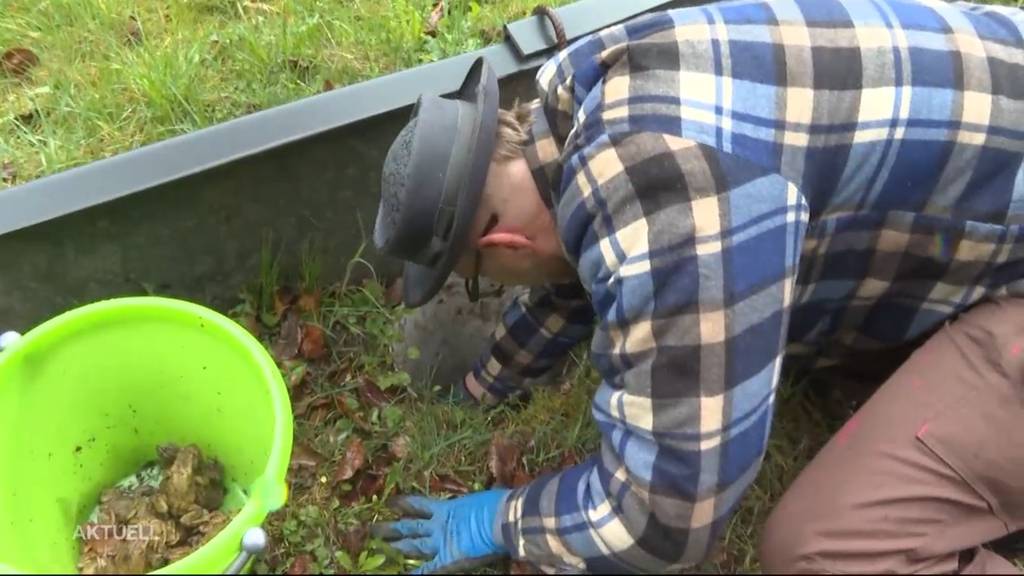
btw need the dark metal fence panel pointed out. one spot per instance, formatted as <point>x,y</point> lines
<point>188,217</point>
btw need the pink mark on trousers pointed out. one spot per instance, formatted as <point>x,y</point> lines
<point>847,430</point>
<point>922,430</point>
<point>916,383</point>
<point>1016,350</point>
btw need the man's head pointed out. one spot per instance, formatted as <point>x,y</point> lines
<point>513,234</point>
<point>457,195</point>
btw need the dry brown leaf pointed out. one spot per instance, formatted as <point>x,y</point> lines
<point>287,345</point>
<point>503,460</point>
<point>521,478</point>
<point>8,173</point>
<point>134,33</point>
<point>351,462</point>
<point>304,456</point>
<point>353,540</point>
<point>435,18</point>
<point>284,298</point>
<point>393,295</point>
<point>448,484</point>
<point>341,403</point>
<point>312,346</point>
<point>371,394</point>
<point>328,86</point>
<point>369,484</point>
<point>399,447</point>
<point>319,416</point>
<point>18,62</point>
<point>252,324</point>
<point>309,301</point>
<point>569,460</point>
<point>300,565</point>
<point>308,403</point>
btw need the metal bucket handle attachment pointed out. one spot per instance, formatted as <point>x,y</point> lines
<point>254,542</point>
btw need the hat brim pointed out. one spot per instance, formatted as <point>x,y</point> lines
<point>421,283</point>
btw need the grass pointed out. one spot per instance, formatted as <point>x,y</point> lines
<point>117,74</point>
<point>355,396</point>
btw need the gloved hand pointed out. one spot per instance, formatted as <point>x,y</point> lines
<point>455,535</point>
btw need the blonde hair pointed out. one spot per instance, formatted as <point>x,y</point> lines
<point>513,129</point>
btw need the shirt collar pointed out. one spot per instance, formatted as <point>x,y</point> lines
<point>543,154</point>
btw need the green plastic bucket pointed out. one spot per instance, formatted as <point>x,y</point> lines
<point>86,397</point>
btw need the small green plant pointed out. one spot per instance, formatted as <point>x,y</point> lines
<point>270,271</point>
<point>311,265</point>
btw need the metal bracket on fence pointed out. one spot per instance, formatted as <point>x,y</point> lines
<point>556,24</point>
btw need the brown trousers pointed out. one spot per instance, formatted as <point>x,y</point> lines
<point>928,470</point>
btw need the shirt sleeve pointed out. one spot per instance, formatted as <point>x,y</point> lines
<point>690,255</point>
<point>537,330</point>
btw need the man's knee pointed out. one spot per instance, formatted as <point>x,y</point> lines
<point>785,543</point>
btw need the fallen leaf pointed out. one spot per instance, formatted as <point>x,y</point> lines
<point>18,61</point>
<point>300,565</point>
<point>520,479</point>
<point>355,457</point>
<point>328,86</point>
<point>309,301</point>
<point>304,456</point>
<point>284,298</point>
<point>339,373</point>
<point>312,346</point>
<point>435,18</point>
<point>371,394</point>
<point>299,66</point>
<point>287,345</point>
<point>353,540</point>
<point>319,416</point>
<point>448,484</point>
<point>503,460</point>
<point>399,447</point>
<point>341,403</point>
<point>369,484</point>
<point>295,371</point>
<point>520,567</point>
<point>393,295</point>
<point>8,173</point>
<point>252,324</point>
<point>569,460</point>
<point>134,31</point>
<point>309,402</point>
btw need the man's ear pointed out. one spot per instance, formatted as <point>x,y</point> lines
<point>507,240</point>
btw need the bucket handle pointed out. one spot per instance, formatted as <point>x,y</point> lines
<point>254,542</point>
<point>7,339</point>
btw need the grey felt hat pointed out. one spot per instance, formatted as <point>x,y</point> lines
<point>433,177</point>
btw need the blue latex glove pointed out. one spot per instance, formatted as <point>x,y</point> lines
<point>455,535</point>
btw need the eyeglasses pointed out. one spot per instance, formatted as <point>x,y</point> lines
<point>473,282</point>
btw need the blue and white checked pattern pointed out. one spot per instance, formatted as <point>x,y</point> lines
<point>736,181</point>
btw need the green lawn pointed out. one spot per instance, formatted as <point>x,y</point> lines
<point>116,74</point>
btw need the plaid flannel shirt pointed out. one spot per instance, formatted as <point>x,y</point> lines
<point>734,182</point>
